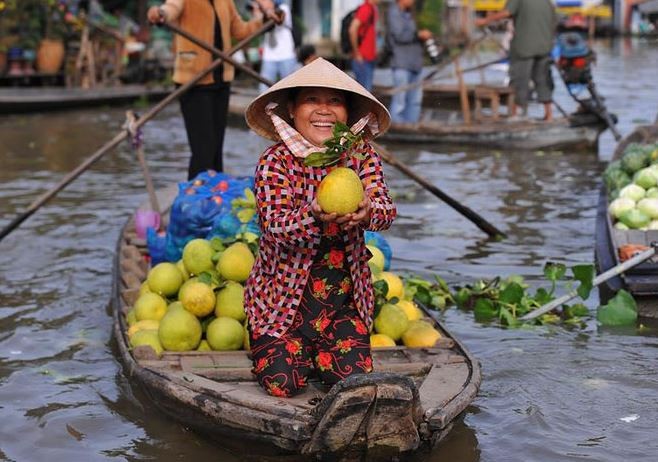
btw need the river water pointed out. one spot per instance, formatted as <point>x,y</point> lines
<point>548,393</point>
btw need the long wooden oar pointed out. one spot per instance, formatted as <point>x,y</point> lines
<point>480,222</point>
<point>121,136</point>
<point>612,272</point>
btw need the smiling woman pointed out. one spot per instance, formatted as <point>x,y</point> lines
<point>315,110</point>
<point>309,297</point>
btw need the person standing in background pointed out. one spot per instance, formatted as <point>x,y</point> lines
<point>535,22</point>
<point>279,59</point>
<point>363,37</point>
<point>205,106</point>
<point>405,41</point>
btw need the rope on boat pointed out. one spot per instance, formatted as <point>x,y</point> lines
<point>137,142</point>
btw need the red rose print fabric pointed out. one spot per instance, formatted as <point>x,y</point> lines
<point>327,337</point>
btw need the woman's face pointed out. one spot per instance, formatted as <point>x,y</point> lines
<point>315,111</point>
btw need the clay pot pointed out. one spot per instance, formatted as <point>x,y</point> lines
<point>50,56</point>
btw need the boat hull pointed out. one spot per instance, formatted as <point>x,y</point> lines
<point>642,280</point>
<point>408,403</point>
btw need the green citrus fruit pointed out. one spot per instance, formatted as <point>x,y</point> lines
<point>165,279</point>
<point>197,256</point>
<point>147,337</point>
<point>225,334</point>
<point>179,330</point>
<point>340,191</point>
<point>150,306</point>
<point>197,298</point>
<point>391,321</point>
<point>235,262</point>
<point>230,301</point>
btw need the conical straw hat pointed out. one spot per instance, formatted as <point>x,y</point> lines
<point>319,73</point>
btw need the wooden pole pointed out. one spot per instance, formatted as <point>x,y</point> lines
<point>480,222</point>
<point>463,93</point>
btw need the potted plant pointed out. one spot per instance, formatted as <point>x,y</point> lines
<point>51,50</point>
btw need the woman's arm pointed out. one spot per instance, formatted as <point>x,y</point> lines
<point>275,202</point>
<point>382,209</point>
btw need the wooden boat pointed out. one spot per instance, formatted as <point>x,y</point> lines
<point>642,280</point>
<point>33,99</point>
<point>577,132</point>
<point>410,401</point>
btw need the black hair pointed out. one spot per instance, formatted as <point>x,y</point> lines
<point>304,52</point>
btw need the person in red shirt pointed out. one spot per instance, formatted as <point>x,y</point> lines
<point>363,37</point>
<point>309,297</point>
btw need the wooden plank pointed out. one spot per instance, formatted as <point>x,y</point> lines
<point>341,422</point>
<point>394,421</point>
<point>442,384</point>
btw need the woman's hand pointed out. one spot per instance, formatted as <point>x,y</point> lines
<point>320,214</point>
<point>347,221</point>
<point>155,15</point>
<point>358,218</point>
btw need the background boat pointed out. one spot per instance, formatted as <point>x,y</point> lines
<point>642,280</point>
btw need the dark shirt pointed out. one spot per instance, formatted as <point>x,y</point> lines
<point>402,37</point>
<point>534,27</point>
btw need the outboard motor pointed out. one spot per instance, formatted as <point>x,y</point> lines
<point>575,59</point>
<point>574,62</point>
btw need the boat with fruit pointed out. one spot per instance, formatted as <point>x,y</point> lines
<point>620,233</point>
<point>410,401</point>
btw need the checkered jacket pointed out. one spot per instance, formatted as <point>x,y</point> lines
<point>285,188</point>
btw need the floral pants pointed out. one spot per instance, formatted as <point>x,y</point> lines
<point>327,336</point>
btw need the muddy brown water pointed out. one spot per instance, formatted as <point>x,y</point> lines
<point>548,393</point>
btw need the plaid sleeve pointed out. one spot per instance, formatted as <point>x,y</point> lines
<point>372,174</point>
<point>275,201</point>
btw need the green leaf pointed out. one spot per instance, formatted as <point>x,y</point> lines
<point>585,274</point>
<point>554,271</point>
<point>217,244</point>
<point>512,294</point>
<point>462,296</point>
<point>423,295</point>
<point>507,317</point>
<point>621,310</point>
<point>574,311</point>
<point>319,159</point>
<point>542,296</point>
<point>484,310</point>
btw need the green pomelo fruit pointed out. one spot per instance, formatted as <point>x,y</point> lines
<point>420,334</point>
<point>131,317</point>
<point>150,306</point>
<point>225,334</point>
<point>197,256</point>
<point>183,271</point>
<point>179,330</point>
<point>177,305</point>
<point>391,321</point>
<point>230,301</point>
<point>165,279</point>
<point>381,340</point>
<point>147,337</point>
<point>377,261</point>
<point>235,262</point>
<point>144,288</point>
<point>197,298</point>
<point>341,191</point>
<point>395,284</point>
